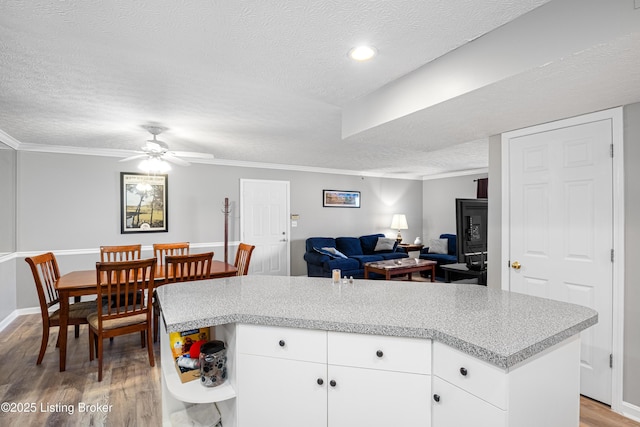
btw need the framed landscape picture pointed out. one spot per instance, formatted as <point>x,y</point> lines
<point>340,199</point>
<point>143,203</point>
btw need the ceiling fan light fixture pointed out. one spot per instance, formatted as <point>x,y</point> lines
<point>154,165</point>
<point>362,53</point>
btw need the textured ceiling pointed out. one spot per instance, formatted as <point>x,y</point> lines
<point>266,81</point>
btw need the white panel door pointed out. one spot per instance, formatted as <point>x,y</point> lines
<point>264,222</point>
<point>561,231</point>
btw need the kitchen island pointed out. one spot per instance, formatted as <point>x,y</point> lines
<point>442,352</point>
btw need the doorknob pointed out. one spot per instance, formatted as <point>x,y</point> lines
<point>516,265</point>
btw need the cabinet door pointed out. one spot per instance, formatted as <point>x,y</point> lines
<point>280,392</point>
<point>373,398</point>
<point>454,407</point>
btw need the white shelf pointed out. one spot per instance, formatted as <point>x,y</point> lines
<point>193,391</point>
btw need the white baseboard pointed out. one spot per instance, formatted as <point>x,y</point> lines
<point>14,315</point>
<point>631,411</point>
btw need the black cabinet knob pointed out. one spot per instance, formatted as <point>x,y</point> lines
<point>379,353</point>
<point>281,343</point>
<point>332,383</point>
<point>436,397</point>
<point>320,381</point>
<point>463,371</point>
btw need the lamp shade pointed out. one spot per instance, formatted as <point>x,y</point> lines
<point>399,222</point>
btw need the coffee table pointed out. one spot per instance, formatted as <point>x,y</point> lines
<point>398,267</point>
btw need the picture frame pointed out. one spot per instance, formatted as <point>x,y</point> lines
<point>340,199</point>
<point>143,203</point>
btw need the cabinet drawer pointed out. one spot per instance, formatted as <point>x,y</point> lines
<point>398,354</point>
<point>454,407</point>
<point>473,375</point>
<point>286,343</point>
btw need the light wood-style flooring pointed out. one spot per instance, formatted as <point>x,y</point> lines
<point>129,393</point>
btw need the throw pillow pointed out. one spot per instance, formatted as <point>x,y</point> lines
<point>439,246</point>
<point>332,252</point>
<point>385,244</point>
<point>335,252</point>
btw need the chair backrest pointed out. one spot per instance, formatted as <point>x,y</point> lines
<point>161,250</point>
<point>120,253</point>
<point>184,268</point>
<point>243,257</point>
<point>121,282</point>
<point>45,273</point>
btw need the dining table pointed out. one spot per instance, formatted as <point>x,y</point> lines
<point>83,282</point>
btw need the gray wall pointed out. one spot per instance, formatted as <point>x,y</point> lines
<point>439,208</point>
<point>70,204</point>
<point>631,392</point>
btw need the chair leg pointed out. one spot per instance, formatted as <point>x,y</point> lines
<point>150,347</point>
<point>142,339</point>
<point>156,319</point>
<point>92,343</point>
<point>43,344</point>
<point>100,357</point>
<point>77,331</point>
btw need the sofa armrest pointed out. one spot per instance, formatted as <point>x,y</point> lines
<point>316,258</point>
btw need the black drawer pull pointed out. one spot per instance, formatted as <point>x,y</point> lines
<point>281,343</point>
<point>379,353</point>
<point>436,397</point>
<point>463,371</point>
<point>332,383</point>
<point>320,381</point>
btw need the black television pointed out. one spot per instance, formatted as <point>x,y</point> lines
<point>471,231</point>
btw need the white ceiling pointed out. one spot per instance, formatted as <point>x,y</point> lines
<point>267,81</point>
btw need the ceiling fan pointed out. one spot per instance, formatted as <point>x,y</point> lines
<point>155,153</point>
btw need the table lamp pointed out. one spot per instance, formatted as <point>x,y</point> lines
<point>399,222</point>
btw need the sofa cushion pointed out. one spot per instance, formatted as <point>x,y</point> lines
<point>453,249</point>
<point>439,246</point>
<point>368,242</point>
<point>343,264</point>
<point>349,246</point>
<point>363,259</point>
<point>320,242</point>
<point>440,258</point>
<point>393,255</point>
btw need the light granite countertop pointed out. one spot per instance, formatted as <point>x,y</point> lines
<point>502,328</point>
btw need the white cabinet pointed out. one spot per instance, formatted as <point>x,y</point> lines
<point>294,377</point>
<point>542,391</point>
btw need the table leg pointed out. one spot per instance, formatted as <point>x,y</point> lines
<point>409,277</point>
<point>366,272</point>
<point>387,275</point>
<point>433,273</point>
<point>447,277</point>
<point>64,321</point>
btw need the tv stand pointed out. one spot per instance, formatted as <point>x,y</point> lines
<point>461,270</point>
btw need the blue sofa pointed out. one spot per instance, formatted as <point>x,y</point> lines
<point>451,257</point>
<point>358,251</point>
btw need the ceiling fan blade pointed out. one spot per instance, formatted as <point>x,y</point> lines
<point>173,159</point>
<point>192,155</point>
<point>137,156</point>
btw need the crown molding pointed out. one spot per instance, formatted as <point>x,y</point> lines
<point>9,140</point>
<point>456,174</point>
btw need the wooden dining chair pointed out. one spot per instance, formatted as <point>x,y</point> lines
<point>128,314</point>
<point>120,253</point>
<point>243,257</point>
<point>181,268</point>
<point>45,274</point>
<point>161,250</point>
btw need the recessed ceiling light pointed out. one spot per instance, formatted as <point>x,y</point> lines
<point>362,53</point>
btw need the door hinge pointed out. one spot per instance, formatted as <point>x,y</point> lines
<point>611,150</point>
<point>611,360</point>
<point>611,255</point>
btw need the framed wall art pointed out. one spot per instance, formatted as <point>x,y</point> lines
<point>340,199</point>
<point>143,203</point>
